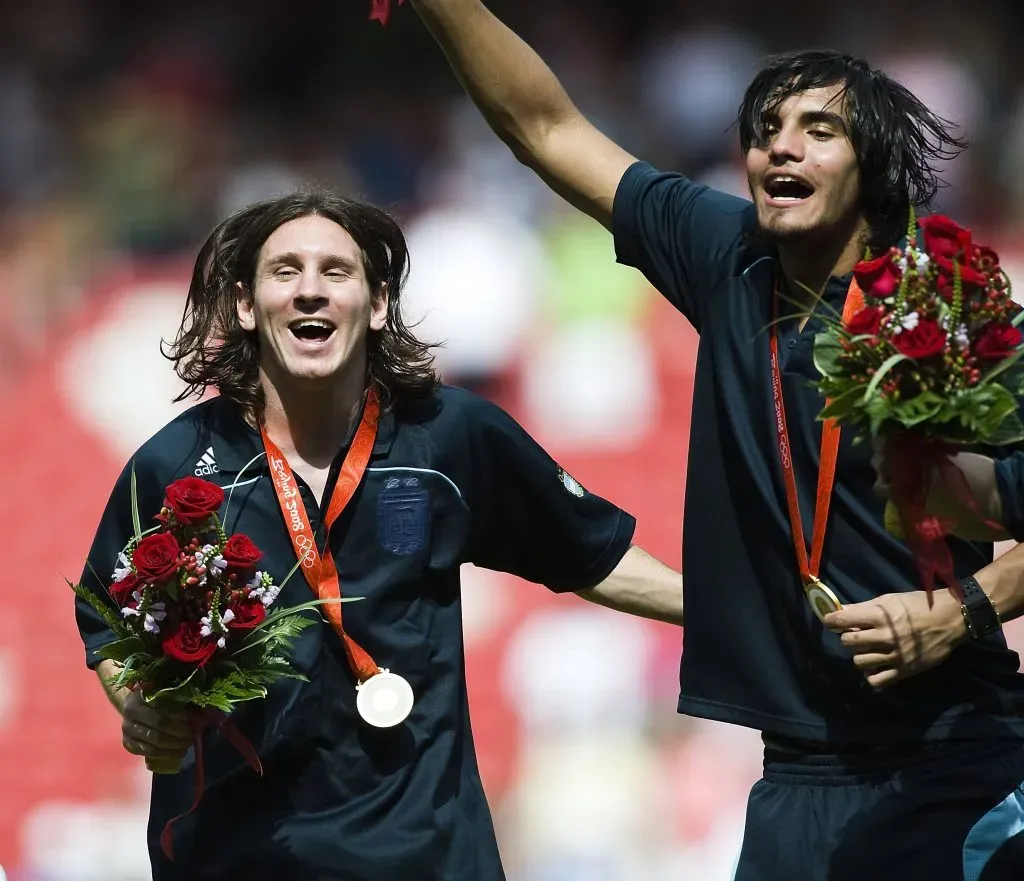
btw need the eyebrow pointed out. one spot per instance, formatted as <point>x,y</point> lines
<point>812,117</point>
<point>330,261</point>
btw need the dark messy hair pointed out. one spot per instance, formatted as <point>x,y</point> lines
<point>212,350</point>
<point>896,138</point>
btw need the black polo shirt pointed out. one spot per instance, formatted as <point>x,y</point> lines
<point>452,480</point>
<point>1010,483</point>
<point>754,653</point>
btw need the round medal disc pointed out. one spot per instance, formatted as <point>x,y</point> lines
<point>384,700</point>
<point>822,599</point>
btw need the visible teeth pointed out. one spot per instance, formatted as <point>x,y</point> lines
<point>786,187</point>
<point>312,322</point>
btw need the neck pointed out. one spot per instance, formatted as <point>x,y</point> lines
<point>808,266</point>
<point>310,423</point>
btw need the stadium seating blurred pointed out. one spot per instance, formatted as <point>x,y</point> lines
<point>129,131</point>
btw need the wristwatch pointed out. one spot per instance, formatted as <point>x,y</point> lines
<point>980,615</point>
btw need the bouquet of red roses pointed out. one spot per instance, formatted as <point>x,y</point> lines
<point>191,624</point>
<point>928,361</point>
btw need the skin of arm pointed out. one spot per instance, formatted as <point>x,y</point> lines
<point>978,473</point>
<point>641,585</point>
<point>106,671</point>
<point>899,635</point>
<point>526,106</point>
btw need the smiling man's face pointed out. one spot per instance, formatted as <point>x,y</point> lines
<point>311,303</point>
<point>803,174</point>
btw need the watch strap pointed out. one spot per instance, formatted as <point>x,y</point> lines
<point>979,613</point>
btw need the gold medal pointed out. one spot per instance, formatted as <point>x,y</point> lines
<point>821,597</point>
<point>823,601</point>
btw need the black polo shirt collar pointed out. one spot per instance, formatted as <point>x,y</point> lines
<point>237,447</point>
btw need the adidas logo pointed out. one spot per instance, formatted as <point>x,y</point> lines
<point>206,465</point>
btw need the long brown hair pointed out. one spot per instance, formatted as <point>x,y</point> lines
<point>211,350</point>
<point>897,139</point>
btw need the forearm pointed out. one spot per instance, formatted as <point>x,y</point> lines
<point>107,670</point>
<point>981,521</point>
<point>979,473</point>
<point>516,91</point>
<point>641,585</point>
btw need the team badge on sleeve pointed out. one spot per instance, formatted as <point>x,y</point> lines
<point>570,483</point>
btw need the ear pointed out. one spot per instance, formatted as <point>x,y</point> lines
<point>379,308</point>
<point>244,308</point>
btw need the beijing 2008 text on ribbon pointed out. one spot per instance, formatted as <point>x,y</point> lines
<point>383,698</point>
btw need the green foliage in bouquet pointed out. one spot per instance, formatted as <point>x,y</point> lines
<point>188,607</point>
<point>934,347</point>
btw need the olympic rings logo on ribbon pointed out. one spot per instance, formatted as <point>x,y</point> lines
<point>305,546</point>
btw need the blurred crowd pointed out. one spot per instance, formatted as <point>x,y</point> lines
<point>129,130</point>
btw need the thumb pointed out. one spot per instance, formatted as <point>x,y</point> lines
<point>852,617</point>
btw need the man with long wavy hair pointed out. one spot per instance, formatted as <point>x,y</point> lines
<point>294,317</point>
<point>893,726</point>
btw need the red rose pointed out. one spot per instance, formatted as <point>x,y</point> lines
<point>193,500</point>
<point>867,320</point>
<point>971,280</point>
<point>186,644</point>
<point>985,259</point>
<point>247,614</point>
<point>944,238</point>
<point>924,340</point>
<point>240,553</point>
<point>997,341</point>
<point>156,558</point>
<point>878,278</point>
<point>122,590</point>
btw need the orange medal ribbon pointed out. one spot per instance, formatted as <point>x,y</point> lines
<point>320,571</point>
<point>820,596</point>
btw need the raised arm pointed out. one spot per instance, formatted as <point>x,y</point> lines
<point>526,105</point>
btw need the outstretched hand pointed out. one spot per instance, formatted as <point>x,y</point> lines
<point>899,635</point>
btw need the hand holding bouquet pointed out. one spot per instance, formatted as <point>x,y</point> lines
<point>929,362</point>
<point>192,627</point>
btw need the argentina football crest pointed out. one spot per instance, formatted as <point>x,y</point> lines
<point>403,515</point>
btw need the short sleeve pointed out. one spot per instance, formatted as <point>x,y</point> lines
<point>112,534</point>
<point>529,517</point>
<point>1010,482</point>
<point>681,235</point>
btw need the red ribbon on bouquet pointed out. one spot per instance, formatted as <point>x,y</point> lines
<point>913,459</point>
<point>380,10</point>
<point>199,720</point>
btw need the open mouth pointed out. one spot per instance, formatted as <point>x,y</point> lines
<point>785,188</point>
<point>312,330</point>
